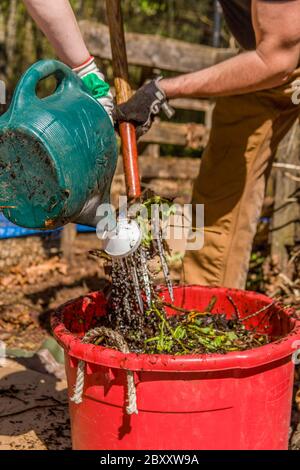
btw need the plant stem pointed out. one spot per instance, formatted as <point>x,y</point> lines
<point>165,322</point>
<point>234,306</point>
<point>173,307</point>
<point>266,307</point>
<point>211,304</point>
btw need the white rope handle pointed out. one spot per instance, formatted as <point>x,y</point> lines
<point>120,342</point>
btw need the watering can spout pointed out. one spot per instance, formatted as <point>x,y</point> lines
<point>57,154</point>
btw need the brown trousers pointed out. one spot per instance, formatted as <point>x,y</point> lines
<point>246,131</point>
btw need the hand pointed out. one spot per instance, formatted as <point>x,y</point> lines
<point>95,82</point>
<point>142,108</point>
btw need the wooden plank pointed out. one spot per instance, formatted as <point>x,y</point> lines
<point>172,168</point>
<point>154,51</point>
<point>180,190</point>
<point>187,135</point>
<point>209,115</point>
<point>286,210</point>
<point>172,177</point>
<point>152,150</point>
<point>191,104</point>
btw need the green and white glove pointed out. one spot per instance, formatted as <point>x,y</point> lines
<point>94,80</point>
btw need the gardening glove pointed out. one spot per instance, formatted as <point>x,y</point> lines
<point>94,80</point>
<point>143,106</point>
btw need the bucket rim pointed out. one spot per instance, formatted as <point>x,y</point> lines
<point>113,359</point>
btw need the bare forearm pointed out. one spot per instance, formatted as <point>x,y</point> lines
<point>244,73</point>
<point>57,21</point>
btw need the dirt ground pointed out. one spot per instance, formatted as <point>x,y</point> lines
<point>33,409</point>
<point>33,396</point>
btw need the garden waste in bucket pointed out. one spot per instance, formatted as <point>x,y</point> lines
<point>239,400</point>
<point>57,154</point>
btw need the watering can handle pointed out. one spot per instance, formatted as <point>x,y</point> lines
<point>44,68</point>
<point>123,93</point>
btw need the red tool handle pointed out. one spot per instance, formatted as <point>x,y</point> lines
<point>123,93</point>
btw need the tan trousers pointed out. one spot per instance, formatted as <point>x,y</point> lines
<point>246,131</point>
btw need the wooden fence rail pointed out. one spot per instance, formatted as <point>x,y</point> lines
<point>154,51</point>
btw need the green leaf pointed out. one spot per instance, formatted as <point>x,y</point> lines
<point>231,336</point>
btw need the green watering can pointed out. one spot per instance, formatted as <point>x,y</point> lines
<point>57,154</point>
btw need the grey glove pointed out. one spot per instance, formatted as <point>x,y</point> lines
<point>142,108</point>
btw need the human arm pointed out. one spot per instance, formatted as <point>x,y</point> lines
<point>277,53</point>
<point>277,29</point>
<point>57,21</point>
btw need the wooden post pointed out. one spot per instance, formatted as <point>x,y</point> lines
<point>68,237</point>
<point>209,115</point>
<point>286,207</point>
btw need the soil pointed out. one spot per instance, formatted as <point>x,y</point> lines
<point>33,409</point>
<point>190,332</point>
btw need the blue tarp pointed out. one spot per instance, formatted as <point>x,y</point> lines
<point>9,230</point>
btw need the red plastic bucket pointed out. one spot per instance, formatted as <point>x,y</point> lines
<point>241,400</point>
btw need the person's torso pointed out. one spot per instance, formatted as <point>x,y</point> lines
<point>238,17</point>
